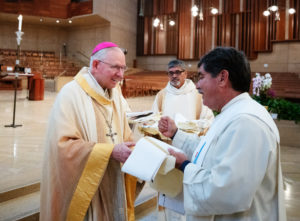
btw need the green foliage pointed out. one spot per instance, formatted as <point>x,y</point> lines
<point>286,110</point>
<point>215,112</point>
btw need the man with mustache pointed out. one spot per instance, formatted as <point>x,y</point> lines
<point>181,96</point>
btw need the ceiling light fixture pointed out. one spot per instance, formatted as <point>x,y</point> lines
<point>214,11</point>
<point>172,22</point>
<point>292,11</point>
<point>266,13</point>
<point>195,10</point>
<point>275,9</point>
<point>156,22</point>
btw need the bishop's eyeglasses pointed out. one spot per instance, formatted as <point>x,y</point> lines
<point>115,67</point>
<point>177,72</point>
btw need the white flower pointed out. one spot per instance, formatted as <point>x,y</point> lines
<point>261,83</point>
<point>267,75</point>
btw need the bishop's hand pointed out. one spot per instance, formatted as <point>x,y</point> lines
<point>122,151</point>
<point>167,126</point>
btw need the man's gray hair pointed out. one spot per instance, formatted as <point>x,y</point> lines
<point>176,63</point>
<point>100,55</point>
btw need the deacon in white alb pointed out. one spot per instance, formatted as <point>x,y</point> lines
<point>233,172</point>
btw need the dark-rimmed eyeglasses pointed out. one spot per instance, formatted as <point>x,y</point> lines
<point>177,72</point>
<point>115,67</point>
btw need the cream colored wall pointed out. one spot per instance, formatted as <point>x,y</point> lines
<point>122,16</point>
<point>284,58</point>
<point>36,37</point>
<point>82,40</point>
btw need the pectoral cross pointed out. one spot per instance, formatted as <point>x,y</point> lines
<point>111,134</point>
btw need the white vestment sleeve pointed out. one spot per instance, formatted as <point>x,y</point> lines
<point>239,166</point>
<point>186,142</point>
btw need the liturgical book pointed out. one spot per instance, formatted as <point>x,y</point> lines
<point>149,157</point>
<point>151,161</point>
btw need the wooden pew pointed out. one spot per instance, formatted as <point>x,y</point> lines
<point>147,83</point>
<point>44,62</point>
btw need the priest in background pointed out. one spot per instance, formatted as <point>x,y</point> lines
<point>234,171</point>
<point>181,96</point>
<point>87,140</point>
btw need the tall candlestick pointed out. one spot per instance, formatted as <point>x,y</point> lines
<point>19,34</point>
<point>20,22</point>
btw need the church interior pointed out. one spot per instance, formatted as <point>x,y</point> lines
<point>47,42</point>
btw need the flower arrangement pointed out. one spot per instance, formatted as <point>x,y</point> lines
<point>262,92</point>
<point>261,84</point>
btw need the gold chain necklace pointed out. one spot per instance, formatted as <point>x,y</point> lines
<point>109,125</point>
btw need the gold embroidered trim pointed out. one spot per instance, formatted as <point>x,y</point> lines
<point>89,181</point>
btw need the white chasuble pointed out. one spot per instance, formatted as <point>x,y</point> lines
<point>80,180</point>
<point>235,172</point>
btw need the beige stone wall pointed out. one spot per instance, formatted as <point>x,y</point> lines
<point>82,40</point>
<point>122,16</point>
<point>36,37</point>
<point>284,58</point>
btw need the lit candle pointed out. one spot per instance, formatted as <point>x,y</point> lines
<point>20,22</point>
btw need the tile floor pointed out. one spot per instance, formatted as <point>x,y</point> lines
<point>21,148</point>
